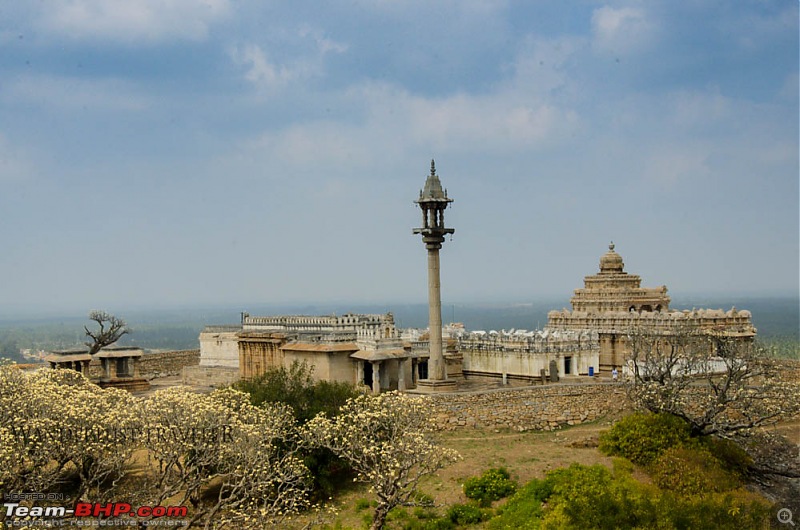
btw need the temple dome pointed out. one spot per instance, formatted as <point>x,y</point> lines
<point>611,262</point>
<point>433,191</point>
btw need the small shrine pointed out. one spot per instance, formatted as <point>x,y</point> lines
<point>77,360</point>
<point>120,368</point>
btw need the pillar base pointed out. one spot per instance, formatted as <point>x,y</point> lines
<point>430,386</point>
<point>131,384</point>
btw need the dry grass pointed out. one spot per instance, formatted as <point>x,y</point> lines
<point>526,455</point>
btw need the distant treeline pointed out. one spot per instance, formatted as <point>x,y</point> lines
<point>777,320</point>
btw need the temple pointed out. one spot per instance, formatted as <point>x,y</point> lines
<point>586,341</point>
<point>119,366</point>
<point>613,289</point>
<point>353,348</point>
<point>612,303</point>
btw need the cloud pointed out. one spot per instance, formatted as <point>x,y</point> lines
<point>622,30</point>
<point>267,75</point>
<point>324,44</point>
<point>135,21</point>
<point>263,73</point>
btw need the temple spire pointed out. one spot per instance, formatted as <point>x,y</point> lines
<point>433,167</point>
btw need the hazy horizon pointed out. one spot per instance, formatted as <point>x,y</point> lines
<point>679,301</point>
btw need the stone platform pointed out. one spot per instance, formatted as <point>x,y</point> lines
<point>431,386</point>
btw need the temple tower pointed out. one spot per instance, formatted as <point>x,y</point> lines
<point>433,201</point>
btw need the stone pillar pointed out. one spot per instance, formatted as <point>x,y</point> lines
<point>376,378</point>
<point>436,366</point>
<point>359,373</point>
<point>401,374</point>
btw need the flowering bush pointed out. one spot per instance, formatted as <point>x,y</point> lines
<point>248,453</point>
<point>387,440</point>
<point>68,429</point>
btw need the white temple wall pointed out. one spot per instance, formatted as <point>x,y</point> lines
<point>529,364</point>
<point>219,348</point>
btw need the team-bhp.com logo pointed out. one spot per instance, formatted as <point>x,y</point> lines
<point>87,509</point>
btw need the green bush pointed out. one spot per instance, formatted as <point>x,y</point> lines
<point>362,504</point>
<point>466,514</point>
<point>594,497</point>
<point>581,497</point>
<point>691,471</point>
<point>732,457</point>
<point>642,437</point>
<point>297,388</point>
<point>494,484</point>
<point>524,509</point>
<point>731,510</point>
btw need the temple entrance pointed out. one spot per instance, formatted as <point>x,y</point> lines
<point>122,367</point>
<point>422,366</point>
<point>367,374</point>
<point>567,365</point>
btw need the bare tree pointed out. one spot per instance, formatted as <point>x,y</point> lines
<point>111,330</point>
<point>720,384</point>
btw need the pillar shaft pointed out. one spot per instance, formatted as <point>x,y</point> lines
<point>436,366</point>
<point>376,378</point>
<point>401,374</point>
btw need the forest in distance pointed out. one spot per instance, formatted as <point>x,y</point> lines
<point>777,320</point>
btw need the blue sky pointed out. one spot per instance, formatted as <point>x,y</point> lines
<point>170,153</point>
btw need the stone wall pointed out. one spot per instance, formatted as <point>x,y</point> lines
<point>168,363</point>
<point>532,408</point>
<point>209,376</point>
<point>161,364</point>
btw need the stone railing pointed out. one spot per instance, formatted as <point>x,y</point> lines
<point>533,345</point>
<point>525,409</point>
<point>622,322</point>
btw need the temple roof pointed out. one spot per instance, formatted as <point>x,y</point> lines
<point>433,190</point>
<point>611,262</point>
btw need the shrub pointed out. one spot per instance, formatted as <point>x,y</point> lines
<point>642,437</point>
<point>297,388</point>
<point>465,514</point>
<point>524,509</point>
<point>691,471</point>
<point>362,504</point>
<point>581,497</point>
<point>731,510</point>
<point>732,457</point>
<point>493,485</point>
<point>594,497</point>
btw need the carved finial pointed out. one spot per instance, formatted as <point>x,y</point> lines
<point>433,167</point>
<point>611,246</point>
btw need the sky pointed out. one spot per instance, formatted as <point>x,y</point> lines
<point>170,153</point>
